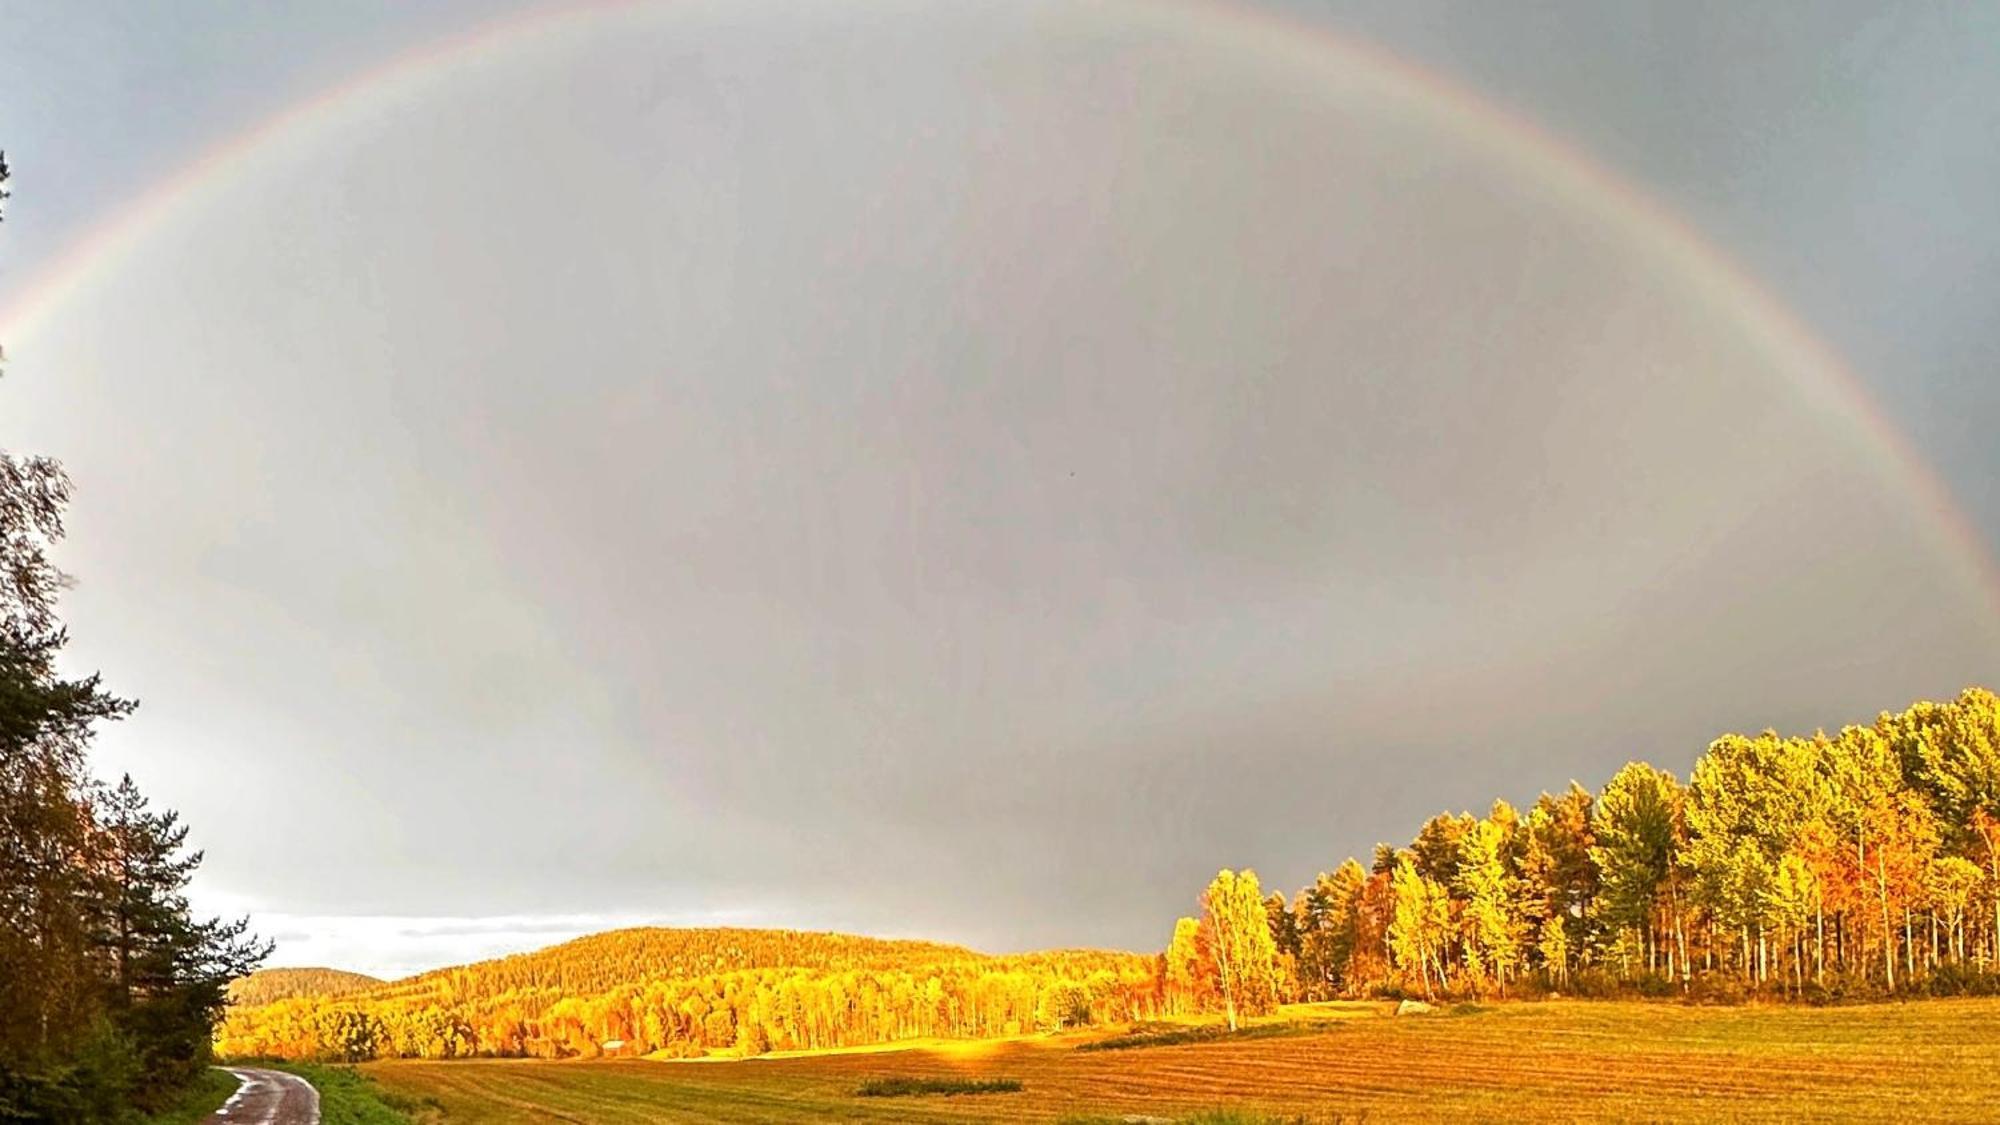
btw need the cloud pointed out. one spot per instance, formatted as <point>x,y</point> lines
<point>956,483</point>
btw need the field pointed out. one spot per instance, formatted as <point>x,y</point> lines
<point>1564,1060</point>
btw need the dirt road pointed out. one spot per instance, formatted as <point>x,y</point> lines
<point>268,1097</point>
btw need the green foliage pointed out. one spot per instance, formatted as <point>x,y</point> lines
<point>1327,919</point>
<point>201,1098</point>
<point>1636,830</point>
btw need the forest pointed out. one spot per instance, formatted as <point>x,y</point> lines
<point>697,991</point>
<point>1861,863</point>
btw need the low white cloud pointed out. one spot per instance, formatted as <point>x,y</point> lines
<point>393,946</point>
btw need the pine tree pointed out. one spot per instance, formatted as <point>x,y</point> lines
<point>1637,833</point>
<point>170,972</point>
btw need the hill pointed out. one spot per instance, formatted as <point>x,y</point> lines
<point>266,986</point>
<point>697,991</point>
<point>596,962</point>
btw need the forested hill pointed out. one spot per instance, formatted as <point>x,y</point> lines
<point>633,956</point>
<point>267,985</point>
<point>692,991</point>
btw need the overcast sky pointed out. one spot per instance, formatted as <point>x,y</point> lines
<point>971,471</point>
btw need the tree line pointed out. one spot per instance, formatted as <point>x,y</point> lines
<point>696,992</point>
<point>109,987</point>
<point>1862,862</point>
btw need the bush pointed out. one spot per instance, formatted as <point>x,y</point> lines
<point>202,1098</point>
<point>1962,980</point>
<point>946,1087</point>
<point>1719,988</point>
<point>1173,1035</point>
<point>101,1077</point>
<point>1594,983</point>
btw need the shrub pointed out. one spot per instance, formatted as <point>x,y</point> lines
<point>1718,988</point>
<point>1962,980</point>
<point>946,1087</point>
<point>1172,1035</point>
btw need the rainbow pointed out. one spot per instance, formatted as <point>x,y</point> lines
<point>1808,364</point>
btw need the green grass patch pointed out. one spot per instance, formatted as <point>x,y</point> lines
<point>1173,1035</point>
<point>925,1087</point>
<point>348,1097</point>
<point>203,1097</point>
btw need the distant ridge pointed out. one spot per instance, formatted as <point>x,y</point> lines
<point>267,985</point>
<point>637,954</point>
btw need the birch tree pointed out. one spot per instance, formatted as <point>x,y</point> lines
<point>1236,935</point>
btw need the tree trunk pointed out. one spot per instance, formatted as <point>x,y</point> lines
<point>1909,947</point>
<point>1681,939</point>
<point>1993,858</point>
<point>1888,932</point>
<point>1819,943</point>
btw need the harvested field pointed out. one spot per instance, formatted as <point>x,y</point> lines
<point>1937,1059</point>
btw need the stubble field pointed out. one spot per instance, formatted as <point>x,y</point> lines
<point>1574,1060</point>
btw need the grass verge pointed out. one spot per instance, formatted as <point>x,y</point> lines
<point>200,1099</point>
<point>921,1087</point>
<point>348,1097</point>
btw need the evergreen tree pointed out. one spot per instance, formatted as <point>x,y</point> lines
<point>171,972</point>
<point>1637,837</point>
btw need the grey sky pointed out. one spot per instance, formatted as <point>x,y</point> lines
<point>972,471</point>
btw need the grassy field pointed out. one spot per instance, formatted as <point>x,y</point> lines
<point>1937,1059</point>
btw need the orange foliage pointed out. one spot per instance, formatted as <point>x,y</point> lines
<point>691,992</point>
